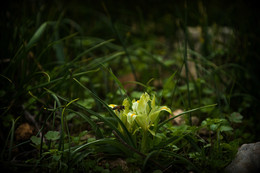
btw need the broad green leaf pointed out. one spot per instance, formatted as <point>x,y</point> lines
<point>213,127</point>
<point>36,140</point>
<point>52,135</point>
<point>70,116</point>
<point>235,117</point>
<point>225,128</point>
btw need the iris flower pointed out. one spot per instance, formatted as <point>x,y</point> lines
<point>144,112</point>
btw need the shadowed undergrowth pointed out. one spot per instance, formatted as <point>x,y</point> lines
<point>86,95</point>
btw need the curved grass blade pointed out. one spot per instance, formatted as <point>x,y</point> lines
<point>94,126</point>
<point>62,123</point>
<point>167,86</point>
<point>103,141</point>
<point>120,85</point>
<point>181,158</point>
<point>137,83</point>
<point>36,36</point>
<point>127,137</point>
<point>55,43</point>
<point>9,80</point>
<point>59,108</point>
<point>192,110</point>
<point>148,157</point>
<point>77,158</point>
<point>46,74</point>
<point>11,136</point>
<point>89,50</point>
<point>99,61</point>
<point>173,139</point>
<point>157,61</point>
<point>62,78</point>
<point>192,142</point>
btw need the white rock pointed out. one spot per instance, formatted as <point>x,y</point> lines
<point>247,159</point>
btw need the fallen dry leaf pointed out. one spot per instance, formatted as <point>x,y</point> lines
<point>24,132</point>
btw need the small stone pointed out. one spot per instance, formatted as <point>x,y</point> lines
<point>180,120</point>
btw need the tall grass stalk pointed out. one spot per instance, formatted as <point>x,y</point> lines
<point>9,142</point>
<point>127,137</point>
<point>114,29</point>
<point>186,60</point>
<point>126,51</point>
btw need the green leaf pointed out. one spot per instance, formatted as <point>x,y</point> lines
<point>87,102</point>
<point>36,140</point>
<point>152,132</point>
<point>56,157</point>
<point>37,34</point>
<point>235,117</point>
<point>169,85</point>
<point>225,128</point>
<point>136,94</point>
<point>126,136</point>
<point>70,116</point>
<point>52,135</point>
<point>213,127</point>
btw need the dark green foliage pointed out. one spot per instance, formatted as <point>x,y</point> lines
<point>63,63</point>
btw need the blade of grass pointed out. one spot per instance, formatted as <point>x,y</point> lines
<point>167,86</point>
<point>181,158</point>
<point>112,24</point>
<point>79,157</point>
<point>61,78</point>
<point>128,137</point>
<point>120,85</point>
<point>186,61</point>
<point>59,108</point>
<point>192,142</point>
<point>63,121</point>
<point>59,49</point>
<point>94,126</point>
<point>192,110</point>
<point>135,150</point>
<point>9,80</point>
<point>13,60</point>
<point>54,43</point>
<point>38,34</point>
<point>11,136</point>
<point>99,61</point>
<point>173,139</point>
<point>148,156</point>
<point>89,50</point>
<point>157,61</point>
<point>100,142</point>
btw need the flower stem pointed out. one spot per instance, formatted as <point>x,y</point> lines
<point>144,145</point>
